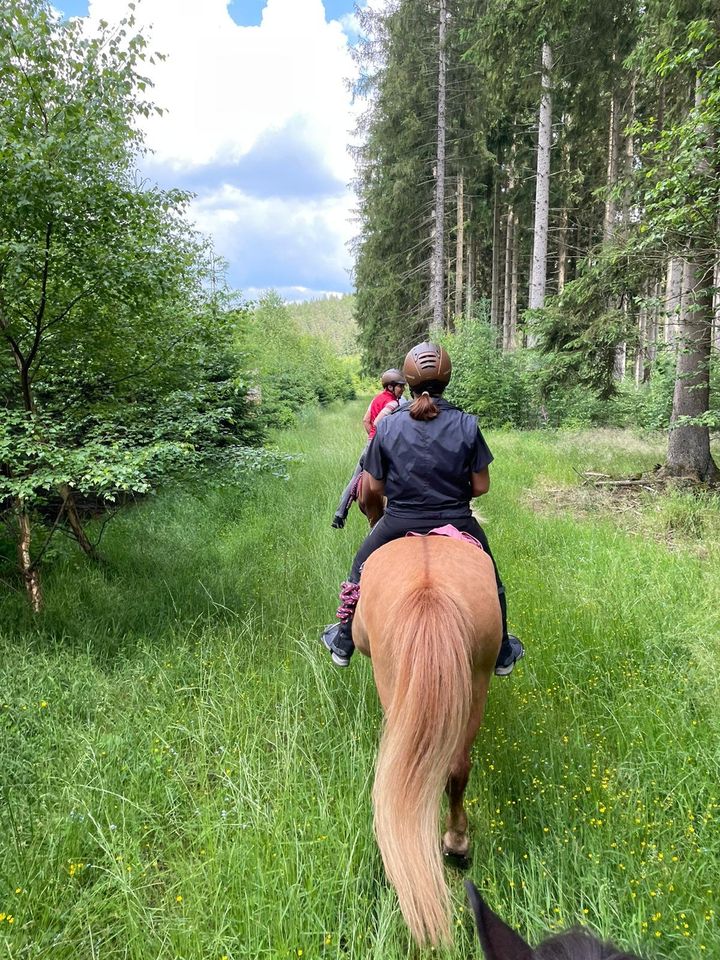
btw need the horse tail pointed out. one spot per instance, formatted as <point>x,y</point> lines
<point>425,727</point>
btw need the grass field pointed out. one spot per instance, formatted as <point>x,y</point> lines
<point>184,775</point>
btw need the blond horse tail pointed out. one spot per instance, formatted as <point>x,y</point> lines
<point>425,726</point>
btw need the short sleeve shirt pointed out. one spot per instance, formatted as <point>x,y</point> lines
<point>427,464</point>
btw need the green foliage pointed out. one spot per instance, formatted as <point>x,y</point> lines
<point>395,183</point>
<point>485,381</point>
<point>581,328</point>
<point>510,389</point>
<point>652,403</point>
<point>523,389</point>
<point>331,319</point>
<point>678,180</point>
<point>38,458</point>
<point>288,369</point>
<point>117,368</point>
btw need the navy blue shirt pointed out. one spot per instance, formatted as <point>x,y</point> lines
<point>427,464</point>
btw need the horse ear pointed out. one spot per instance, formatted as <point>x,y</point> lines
<point>498,940</point>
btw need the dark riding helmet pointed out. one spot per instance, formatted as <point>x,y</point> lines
<point>391,377</point>
<point>427,364</point>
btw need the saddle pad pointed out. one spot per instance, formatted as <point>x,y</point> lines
<point>448,531</point>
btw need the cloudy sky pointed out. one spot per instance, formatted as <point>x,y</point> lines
<point>257,122</point>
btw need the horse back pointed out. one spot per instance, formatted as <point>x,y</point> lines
<point>449,568</point>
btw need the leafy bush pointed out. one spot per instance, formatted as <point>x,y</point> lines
<point>288,369</point>
<point>527,389</point>
<point>487,382</point>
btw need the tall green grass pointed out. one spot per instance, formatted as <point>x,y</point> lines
<point>184,775</point>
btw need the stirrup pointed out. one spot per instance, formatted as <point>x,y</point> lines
<point>328,635</point>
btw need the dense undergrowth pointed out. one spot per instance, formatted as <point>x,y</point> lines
<point>184,775</point>
<point>531,389</point>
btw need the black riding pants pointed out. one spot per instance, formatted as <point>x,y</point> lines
<point>343,507</point>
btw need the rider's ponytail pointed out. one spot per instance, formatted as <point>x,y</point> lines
<point>424,407</point>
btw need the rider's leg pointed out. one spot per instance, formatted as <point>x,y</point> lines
<point>337,637</point>
<point>346,499</point>
<point>511,649</point>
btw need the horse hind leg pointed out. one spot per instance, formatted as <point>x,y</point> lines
<point>456,842</point>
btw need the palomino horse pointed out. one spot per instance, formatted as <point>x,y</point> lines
<point>429,617</point>
<point>500,942</point>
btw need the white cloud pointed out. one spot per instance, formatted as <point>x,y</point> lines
<point>223,85</point>
<point>280,241</point>
<point>225,88</point>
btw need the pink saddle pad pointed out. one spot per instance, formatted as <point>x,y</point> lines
<point>448,531</point>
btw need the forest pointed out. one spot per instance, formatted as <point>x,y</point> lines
<point>183,773</point>
<point>539,183</point>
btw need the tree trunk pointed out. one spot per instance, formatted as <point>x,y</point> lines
<point>30,573</point>
<point>629,158</point>
<point>459,246</point>
<point>716,309</point>
<point>620,361</point>
<point>496,241</point>
<point>689,444</point>
<point>437,293</point>
<point>673,298</point>
<point>652,332</point>
<point>75,522</point>
<point>640,350</point>
<point>613,155</point>
<point>501,284</point>
<point>507,295</point>
<point>562,247</point>
<point>513,338</point>
<point>470,276</point>
<point>612,166</point>
<point>542,189</point>
<point>562,250</point>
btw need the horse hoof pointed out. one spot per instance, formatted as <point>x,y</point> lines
<point>458,861</point>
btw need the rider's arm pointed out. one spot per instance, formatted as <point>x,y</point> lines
<point>367,422</point>
<point>480,482</point>
<point>388,408</point>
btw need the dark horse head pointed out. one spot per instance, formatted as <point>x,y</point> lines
<point>500,942</point>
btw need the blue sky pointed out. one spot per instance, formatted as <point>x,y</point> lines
<point>257,121</point>
<point>246,13</point>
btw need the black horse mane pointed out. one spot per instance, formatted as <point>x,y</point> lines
<point>578,945</point>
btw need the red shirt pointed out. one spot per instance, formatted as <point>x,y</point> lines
<point>379,403</point>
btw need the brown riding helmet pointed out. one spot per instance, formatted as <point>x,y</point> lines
<point>391,377</point>
<point>427,363</point>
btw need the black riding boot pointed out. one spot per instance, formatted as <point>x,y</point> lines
<point>511,649</point>
<point>338,639</point>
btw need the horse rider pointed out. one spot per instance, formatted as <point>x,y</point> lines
<point>429,459</point>
<point>383,403</point>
